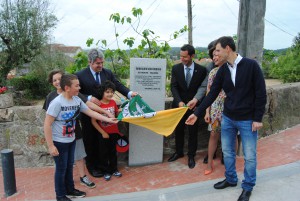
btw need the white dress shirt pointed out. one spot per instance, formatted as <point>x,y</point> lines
<point>232,68</point>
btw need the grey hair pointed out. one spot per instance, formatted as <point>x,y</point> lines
<point>94,54</point>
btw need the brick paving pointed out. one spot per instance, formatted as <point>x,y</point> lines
<point>37,183</point>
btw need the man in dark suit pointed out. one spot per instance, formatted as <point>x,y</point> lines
<point>188,86</point>
<point>90,78</point>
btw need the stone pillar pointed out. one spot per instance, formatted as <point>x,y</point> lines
<point>148,78</point>
<point>251,28</point>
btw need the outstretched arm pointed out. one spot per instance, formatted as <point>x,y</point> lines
<point>98,109</point>
<point>100,117</point>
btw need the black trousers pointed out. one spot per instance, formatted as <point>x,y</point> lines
<point>108,152</point>
<point>192,136</point>
<point>94,158</point>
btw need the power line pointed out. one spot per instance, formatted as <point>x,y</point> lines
<point>230,9</point>
<point>77,27</point>
<point>275,25</point>
<point>115,40</point>
<point>284,24</point>
<point>279,28</point>
<point>150,16</point>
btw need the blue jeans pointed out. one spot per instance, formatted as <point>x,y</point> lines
<point>63,176</point>
<point>229,129</point>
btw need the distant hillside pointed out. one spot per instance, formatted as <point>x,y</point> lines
<point>281,51</point>
<point>175,51</point>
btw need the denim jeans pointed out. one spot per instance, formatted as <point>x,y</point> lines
<point>249,141</point>
<point>63,176</point>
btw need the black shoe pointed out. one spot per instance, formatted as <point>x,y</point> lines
<point>75,194</point>
<point>95,173</point>
<point>223,184</point>
<point>205,160</point>
<point>174,157</point>
<point>191,162</point>
<point>245,196</point>
<point>64,198</point>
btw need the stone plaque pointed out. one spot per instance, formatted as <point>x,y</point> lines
<point>148,78</point>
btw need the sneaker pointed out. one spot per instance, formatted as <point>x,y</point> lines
<point>107,176</point>
<point>63,198</point>
<point>86,182</point>
<point>117,174</point>
<point>76,194</point>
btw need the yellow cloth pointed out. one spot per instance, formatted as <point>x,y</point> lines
<point>163,123</point>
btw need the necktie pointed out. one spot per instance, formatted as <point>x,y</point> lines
<point>188,77</point>
<point>97,78</point>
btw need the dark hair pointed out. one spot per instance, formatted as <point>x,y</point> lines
<point>66,80</point>
<point>226,40</point>
<point>211,48</point>
<point>189,48</point>
<point>50,76</point>
<point>100,89</point>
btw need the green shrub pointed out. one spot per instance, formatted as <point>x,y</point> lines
<point>287,68</point>
<point>268,58</point>
<point>35,86</point>
<point>19,83</point>
<point>35,83</point>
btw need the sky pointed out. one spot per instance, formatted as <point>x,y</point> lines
<point>80,20</point>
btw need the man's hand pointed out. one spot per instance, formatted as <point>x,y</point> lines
<point>191,119</point>
<point>134,94</point>
<point>113,120</point>
<point>256,126</point>
<point>95,100</point>
<point>181,104</point>
<point>207,117</point>
<point>192,103</point>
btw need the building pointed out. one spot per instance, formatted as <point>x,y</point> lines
<point>70,51</point>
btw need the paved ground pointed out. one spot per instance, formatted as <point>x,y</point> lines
<point>277,184</point>
<point>278,178</point>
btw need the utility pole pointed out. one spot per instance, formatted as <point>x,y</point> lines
<point>190,20</point>
<point>251,29</point>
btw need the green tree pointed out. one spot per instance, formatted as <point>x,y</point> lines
<point>81,61</point>
<point>35,83</point>
<point>150,46</point>
<point>268,59</point>
<point>287,68</point>
<point>24,29</point>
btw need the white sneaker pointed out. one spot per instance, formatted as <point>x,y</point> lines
<point>117,174</point>
<point>107,176</point>
<point>86,182</point>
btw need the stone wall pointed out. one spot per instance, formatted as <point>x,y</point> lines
<point>21,128</point>
<point>282,109</point>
